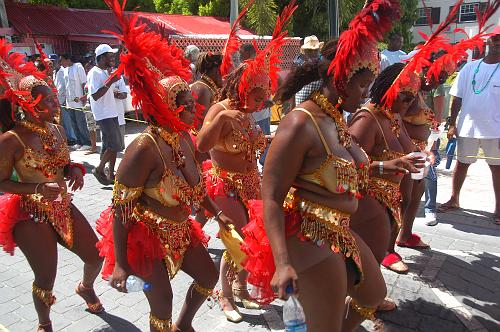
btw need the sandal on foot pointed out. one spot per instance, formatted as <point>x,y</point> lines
<point>101,177</point>
<point>413,242</point>
<point>496,220</point>
<point>446,207</point>
<point>176,329</point>
<point>387,304</point>
<point>233,315</point>
<point>94,308</point>
<point>248,303</point>
<point>44,327</point>
<point>394,262</point>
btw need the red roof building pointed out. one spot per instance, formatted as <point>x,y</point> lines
<point>79,31</point>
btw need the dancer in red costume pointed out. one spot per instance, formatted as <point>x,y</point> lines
<point>234,141</point>
<point>311,191</point>
<point>37,211</point>
<point>148,230</point>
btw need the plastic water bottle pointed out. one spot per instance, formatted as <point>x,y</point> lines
<point>293,314</point>
<point>136,284</point>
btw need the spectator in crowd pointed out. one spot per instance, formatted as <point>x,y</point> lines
<point>89,117</point>
<point>191,53</point>
<point>310,51</point>
<point>393,53</point>
<point>247,52</point>
<point>120,92</point>
<point>58,79</point>
<point>476,93</point>
<point>435,99</point>
<point>103,105</point>
<point>75,80</point>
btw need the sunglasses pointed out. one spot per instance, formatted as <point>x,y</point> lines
<point>406,98</point>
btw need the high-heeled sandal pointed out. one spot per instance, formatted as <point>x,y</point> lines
<point>233,315</point>
<point>247,303</point>
<point>42,327</point>
<point>94,308</point>
<point>176,329</point>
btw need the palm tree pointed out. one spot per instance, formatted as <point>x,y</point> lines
<point>261,16</point>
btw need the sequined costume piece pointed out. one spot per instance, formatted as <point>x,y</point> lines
<point>388,194</point>
<point>37,167</point>
<point>221,182</point>
<point>309,221</point>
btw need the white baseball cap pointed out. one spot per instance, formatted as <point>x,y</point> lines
<point>104,48</point>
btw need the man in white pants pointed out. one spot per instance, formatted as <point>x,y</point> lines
<point>476,94</point>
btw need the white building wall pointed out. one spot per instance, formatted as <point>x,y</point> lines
<point>470,27</point>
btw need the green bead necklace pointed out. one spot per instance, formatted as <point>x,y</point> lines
<point>474,78</point>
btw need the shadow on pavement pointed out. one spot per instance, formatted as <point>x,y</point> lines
<point>472,279</point>
<point>474,221</point>
<point>116,324</point>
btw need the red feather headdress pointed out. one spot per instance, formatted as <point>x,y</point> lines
<point>409,78</point>
<point>233,43</point>
<point>18,78</point>
<point>357,46</point>
<point>146,60</point>
<point>458,52</point>
<point>262,71</point>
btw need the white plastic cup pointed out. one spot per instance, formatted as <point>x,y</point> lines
<point>54,185</point>
<point>420,175</point>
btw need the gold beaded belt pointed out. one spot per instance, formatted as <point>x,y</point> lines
<point>174,236</point>
<point>245,185</point>
<point>388,194</point>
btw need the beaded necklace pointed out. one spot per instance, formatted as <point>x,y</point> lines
<point>395,126</point>
<point>173,140</point>
<point>47,138</point>
<point>209,83</point>
<point>333,112</point>
<point>487,83</point>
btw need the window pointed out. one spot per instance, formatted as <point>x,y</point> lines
<point>467,12</point>
<point>432,13</point>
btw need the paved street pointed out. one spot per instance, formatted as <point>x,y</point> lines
<point>453,287</point>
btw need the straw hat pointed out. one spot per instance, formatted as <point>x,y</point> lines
<point>311,43</point>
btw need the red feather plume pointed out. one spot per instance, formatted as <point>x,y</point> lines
<point>233,43</point>
<point>422,59</point>
<point>365,30</point>
<point>266,62</point>
<point>458,52</point>
<point>146,60</point>
<point>13,68</point>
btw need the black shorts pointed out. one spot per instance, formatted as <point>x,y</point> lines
<point>110,134</point>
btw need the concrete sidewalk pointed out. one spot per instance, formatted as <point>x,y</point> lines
<point>455,286</point>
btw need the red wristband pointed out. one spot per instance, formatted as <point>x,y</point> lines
<point>80,166</point>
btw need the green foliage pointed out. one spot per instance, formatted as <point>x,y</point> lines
<point>407,21</point>
<point>218,8</point>
<point>142,5</point>
<point>261,17</point>
<point>173,7</point>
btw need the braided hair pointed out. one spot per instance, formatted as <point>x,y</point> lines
<point>384,81</point>
<point>229,89</point>
<point>308,72</point>
<point>207,61</point>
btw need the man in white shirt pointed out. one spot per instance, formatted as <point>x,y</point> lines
<point>103,105</point>
<point>476,92</point>
<point>120,91</point>
<point>58,79</point>
<point>74,81</point>
<point>393,54</point>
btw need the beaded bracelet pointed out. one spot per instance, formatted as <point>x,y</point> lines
<point>76,165</point>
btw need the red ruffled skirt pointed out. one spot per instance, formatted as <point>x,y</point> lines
<point>150,238</point>
<point>11,212</point>
<point>223,183</point>
<point>301,220</point>
<point>15,208</point>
